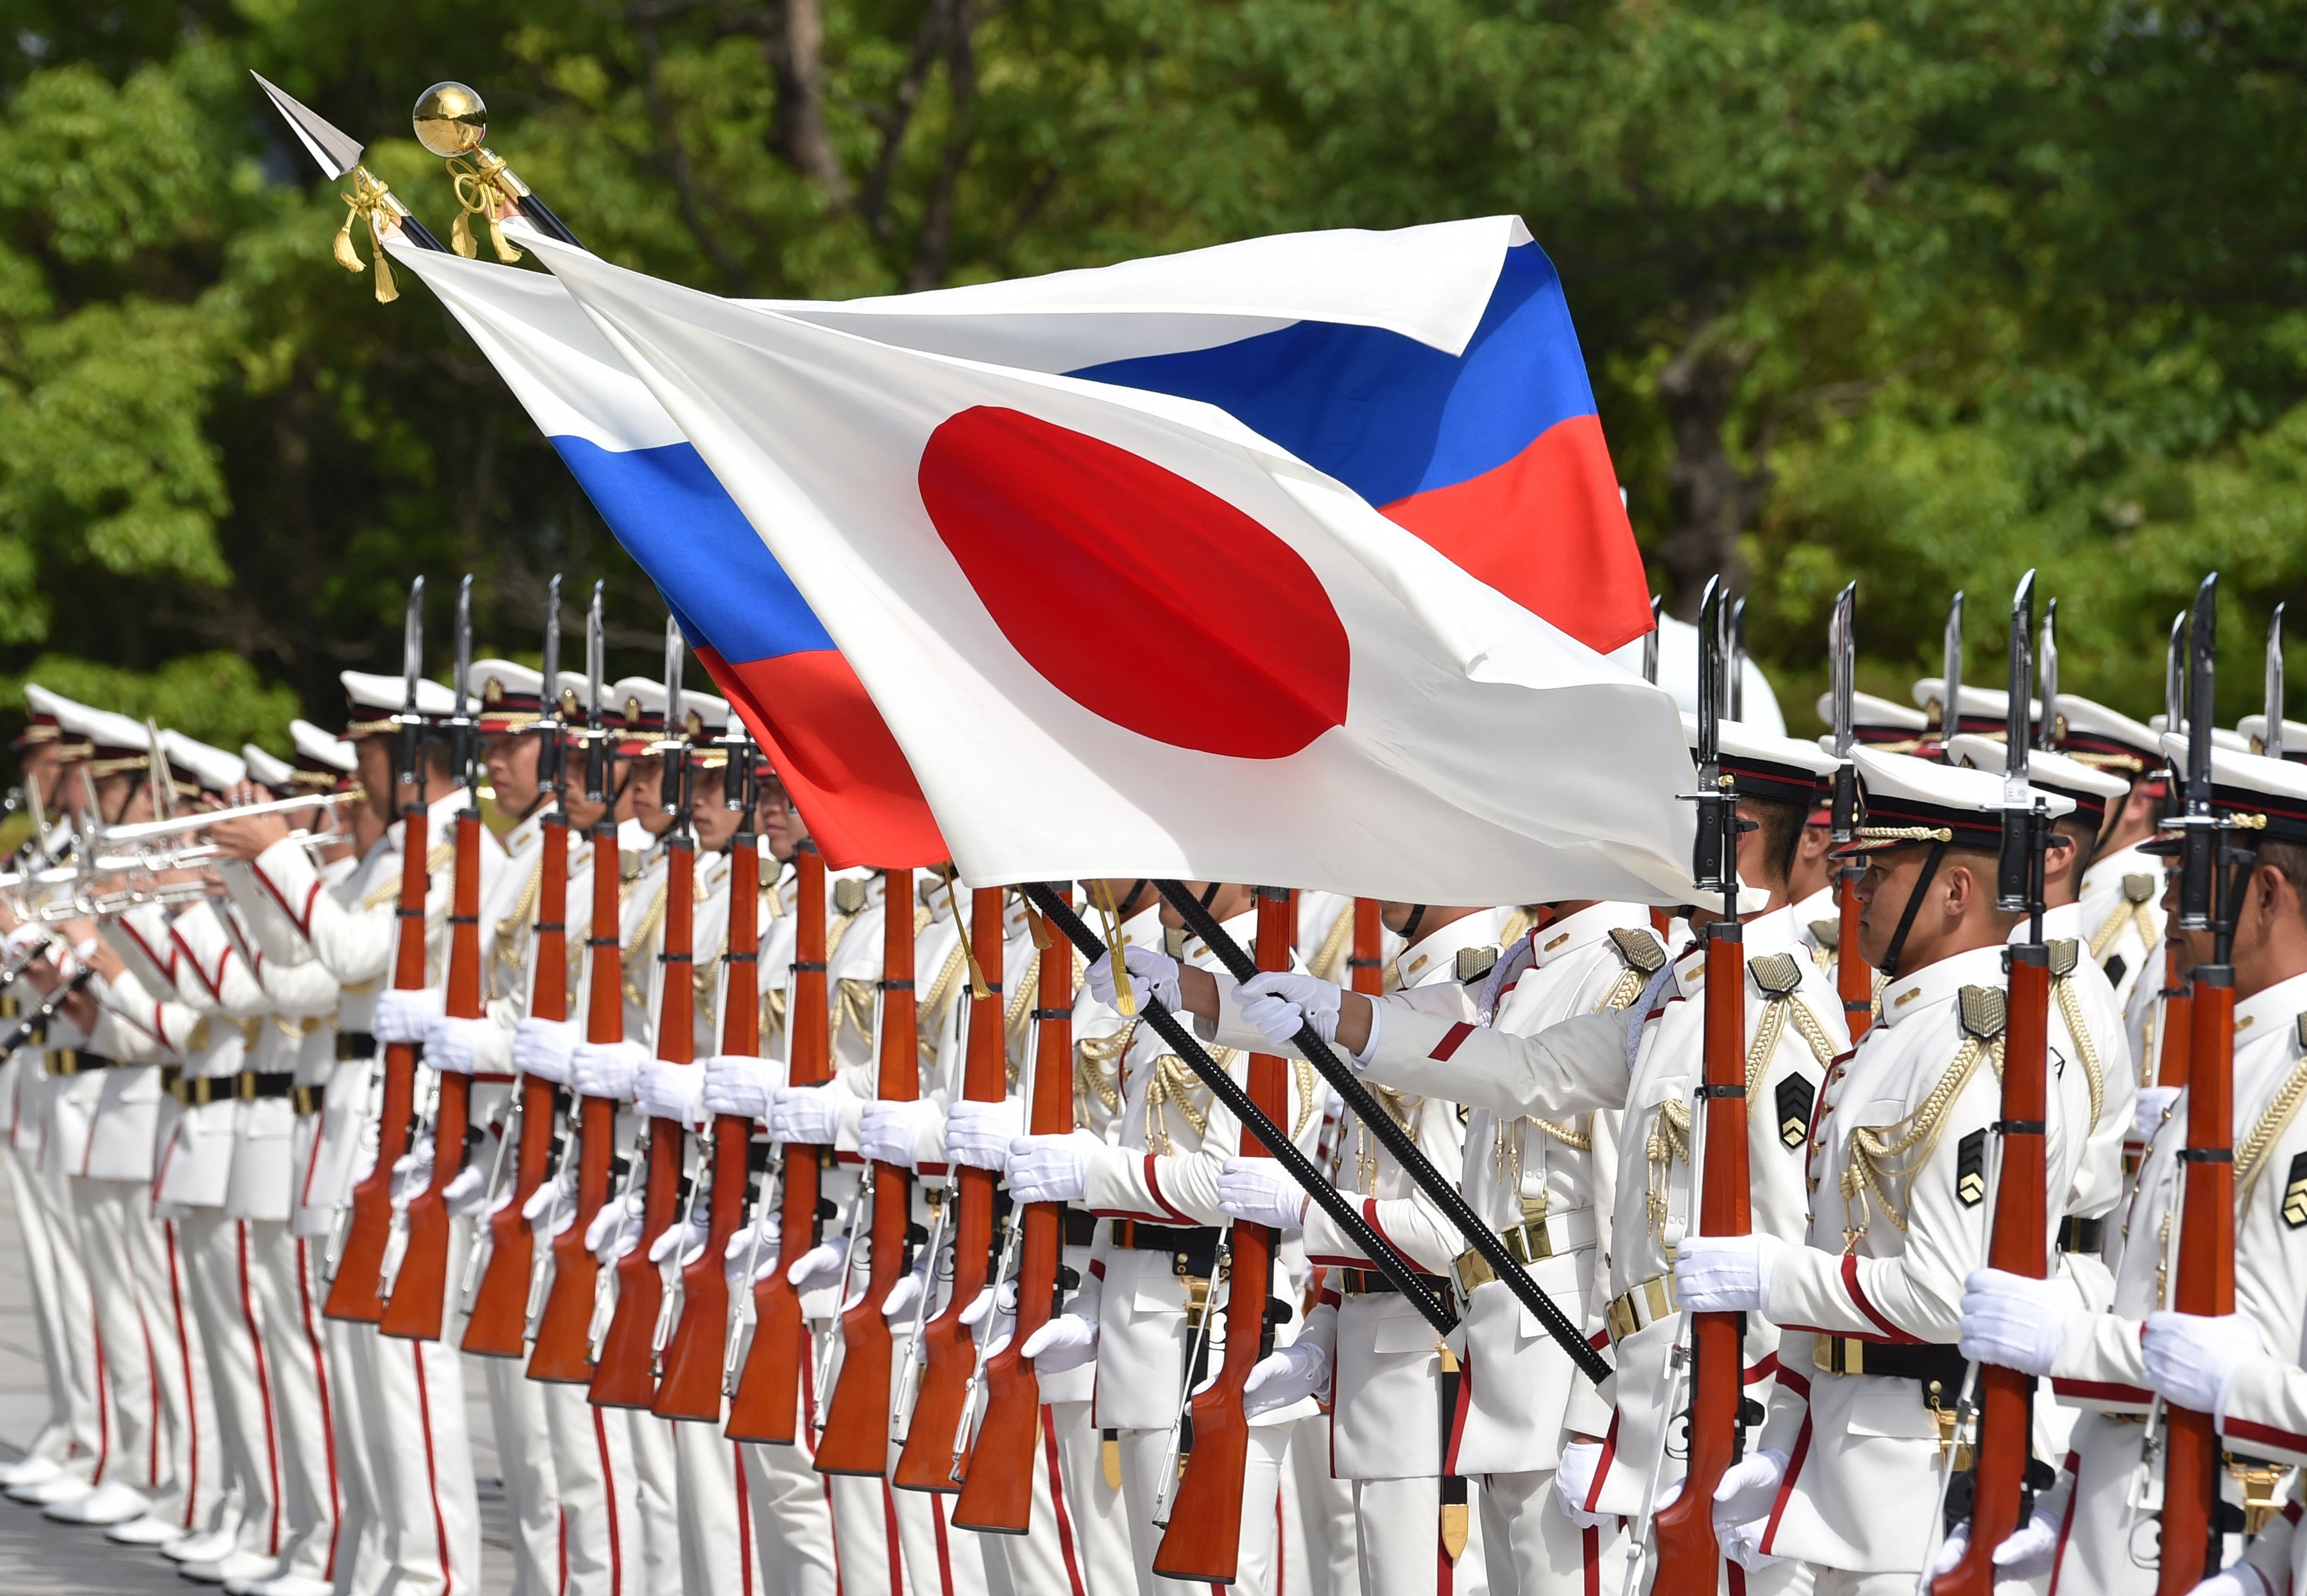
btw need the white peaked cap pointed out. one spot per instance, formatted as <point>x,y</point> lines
<point>2233,741</point>
<point>2091,788</point>
<point>215,768</point>
<point>1769,767</point>
<point>2097,735</point>
<point>375,700</point>
<point>1973,703</point>
<point>111,733</point>
<point>1911,801</point>
<point>320,748</point>
<point>2250,783</point>
<point>267,769</point>
<point>2253,730</point>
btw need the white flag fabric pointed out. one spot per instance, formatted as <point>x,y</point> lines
<point>1116,632</point>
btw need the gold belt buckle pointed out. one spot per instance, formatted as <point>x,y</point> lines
<point>2261,1497</point>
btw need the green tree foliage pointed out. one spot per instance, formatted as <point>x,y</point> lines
<point>1914,293</point>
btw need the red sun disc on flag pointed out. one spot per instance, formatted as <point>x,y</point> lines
<point>1144,598</point>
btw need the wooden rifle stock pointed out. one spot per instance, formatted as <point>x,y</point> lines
<point>564,1350</point>
<point>1688,1558</point>
<point>1854,977</point>
<point>2191,1538</point>
<point>1367,960</point>
<point>765,1405</point>
<point>856,1438</point>
<point>926,1461</point>
<point>1204,1537</point>
<point>2004,1448</point>
<point>354,1294</point>
<point>624,1377</point>
<point>498,1324</point>
<point>690,1387</point>
<point>997,1494</point>
<point>421,1288</point>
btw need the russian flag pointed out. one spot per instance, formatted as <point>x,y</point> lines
<point>1433,370</point>
<point>746,623</point>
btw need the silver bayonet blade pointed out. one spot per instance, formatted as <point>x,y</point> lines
<point>1950,672</point>
<point>676,651</point>
<point>1709,674</point>
<point>1842,664</point>
<point>2022,672</point>
<point>593,660</point>
<point>2202,654</point>
<point>2175,677</point>
<point>1734,679</point>
<point>412,645</point>
<point>550,694</point>
<point>464,645</point>
<point>336,152</point>
<point>1650,642</point>
<point>2272,743</point>
<point>2046,671</point>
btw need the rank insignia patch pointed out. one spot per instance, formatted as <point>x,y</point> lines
<point>2295,1194</point>
<point>1796,1096</point>
<point>1970,1170</point>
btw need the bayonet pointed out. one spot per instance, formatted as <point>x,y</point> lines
<point>674,746</point>
<point>460,724</point>
<point>1842,666</point>
<point>407,747</point>
<point>596,752</point>
<point>2271,744</point>
<point>1733,686</point>
<point>1650,642</point>
<point>548,695</point>
<point>2017,860</point>
<point>2175,677</point>
<point>2199,841</point>
<point>1951,672</point>
<point>2046,668</point>
<point>1714,864</point>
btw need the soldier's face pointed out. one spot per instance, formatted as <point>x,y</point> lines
<point>372,765</point>
<point>1883,891</point>
<point>781,827</point>
<point>511,761</point>
<point>713,823</point>
<point>644,797</point>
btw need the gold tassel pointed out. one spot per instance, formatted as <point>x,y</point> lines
<point>1108,1457</point>
<point>460,235</point>
<point>478,193</point>
<point>386,290</point>
<point>347,255</point>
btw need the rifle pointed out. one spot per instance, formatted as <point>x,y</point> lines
<point>2192,1538</point>
<point>997,1492</point>
<point>2004,1475</point>
<point>496,1324</point>
<point>562,1351</point>
<point>622,1376</point>
<point>2270,743</point>
<point>945,1343</point>
<point>2178,1032</point>
<point>1853,979</point>
<point>856,1438</point>
<point>691,1386</point>
<point>417,1293</point>
<point>1951,675</point>
<point>766,1403</point>
<point>353,1293</point>
<point>1367,962</point>
<point>1203,1539</point>
<point>1347,1083</point>
<point>1689,1557</point>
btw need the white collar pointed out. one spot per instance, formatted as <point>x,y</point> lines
<point>1937,983</point>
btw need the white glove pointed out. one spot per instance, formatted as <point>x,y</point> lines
<point>669,1090</point>
<point>822,1265</point>
<point>1278,1001</point>
<point>1573,1482</point>
<point>738,1083</point>
<point>1286,1374</point>
<point>1052,1168</point>
<point>606,1068</point>
<point>891,1132</point>
<point>467,1190</point>
<point>994,1300</point>
<point>455,1044</point>
<point>406,1015</point>
<point>909,1288</point>
<point>2192,1360</point>
<point>1743,1499</point>
<point>2026,1553</point>
<point>1153,974</point>
<point>546,1194</point>
<point>1068,1340</point>
<point>2148,1115</point>
<point>616,1229</point>
<point>2018,1323</point>
<point>542,1047</point>
<point>1725,1274</point>
<point>811,1115</point>
<point>1255,1189</point>
<point>979,1134</point>
<point>689,1235</point>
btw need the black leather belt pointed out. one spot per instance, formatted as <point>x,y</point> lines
<point>199,1091</point>
<point>1366,1282</point>
<point>1081,1227</point>
<point>1193,1250</point>
<point>307,1099</point>
<point>72,1060</point>
<point>2082,1235</point>
<point>254,1084</point>
<point>1926,1364</point>
<point>355,1044</point>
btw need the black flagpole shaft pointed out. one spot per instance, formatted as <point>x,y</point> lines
<point>540,213</point>
<point>1229,1092</point>
<point>1397,1141</point>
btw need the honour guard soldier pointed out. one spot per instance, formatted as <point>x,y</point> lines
<point>2121,888</point>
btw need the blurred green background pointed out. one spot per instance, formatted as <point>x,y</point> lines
<point>1914,294</point>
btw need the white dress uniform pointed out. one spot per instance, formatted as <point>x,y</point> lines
<point>1388,1433</point>
<point>1160,1181</point>
<point>410,1394</point>
<point>1551,1183</point>
<point>2122,892</point>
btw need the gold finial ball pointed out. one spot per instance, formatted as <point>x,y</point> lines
<point>450,119</point>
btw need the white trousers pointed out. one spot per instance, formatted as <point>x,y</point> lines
<point>516,1406</point>
<point>288,1308</point>
<point>656,1508</point>
<point>216,1256</point>
<point>1323,1556</point>
<point>83,1336</point>
<point>790,1506</point>
<point>2108,1547</point>
<point>1076,1521</point>
<point>134,1450</point>
<point>1144,1459</point>
<point>72,1409</point>
<point>1398,1525</point>
<point>1530,1548</point>
<point>593,1473</point>
<point>420,1462</point>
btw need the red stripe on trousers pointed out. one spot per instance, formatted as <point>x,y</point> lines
<point>945,1551</point>
<point>744,1522</point>
<point>192,1401</point>
<point>103,1399</point>
<point>263,1384</point>
<point>1057,1501</point>
<point>896,1547</point>
<point>609,1502</point>
<point>328,1414</point>
<point>1590,1545</point>
<point>432,1474</point>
